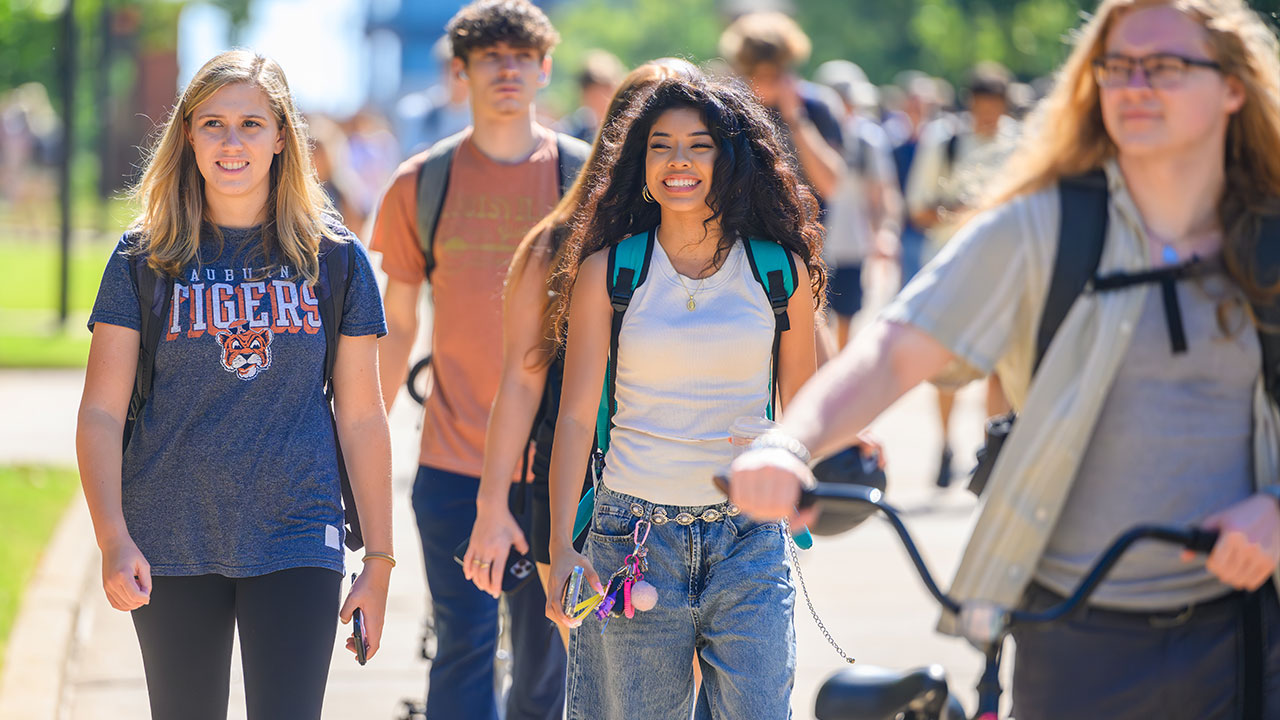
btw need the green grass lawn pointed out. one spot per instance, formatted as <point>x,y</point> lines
<point>29,336</point>
<point>32,500</point>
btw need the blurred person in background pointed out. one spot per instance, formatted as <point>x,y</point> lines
<point>372,154</point>
<point>223,515</point>
<point>599,78</point>
<point>329,156</point>
<point>920,105</point>
<point>426,117</point>
<point>30,147</point>
<point>955,162</point>
<point>865,215</point>
<point>503,176</point>
<point>765,48</point>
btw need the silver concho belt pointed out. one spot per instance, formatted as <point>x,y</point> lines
<point>660,517</point>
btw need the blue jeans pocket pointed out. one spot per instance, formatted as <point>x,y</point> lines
<point>742,525</point>
<point>611,524</point>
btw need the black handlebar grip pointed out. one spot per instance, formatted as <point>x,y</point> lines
<point>1201,541</point>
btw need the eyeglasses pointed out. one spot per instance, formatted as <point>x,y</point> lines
<point>1162,71</point>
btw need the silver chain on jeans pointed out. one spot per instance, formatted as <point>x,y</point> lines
<point>795,561</point>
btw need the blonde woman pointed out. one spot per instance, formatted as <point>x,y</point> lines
<point>1127,421</point>
<point>224,509</point>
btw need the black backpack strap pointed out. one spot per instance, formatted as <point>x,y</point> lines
<point>1082,230</point>
<point>155,296</point>
<point>952,150</point>
<point>433,186</point>
<point>335,273</point>
<point>336,269</point>
<point>1268,314</point>
<point>572,154</point>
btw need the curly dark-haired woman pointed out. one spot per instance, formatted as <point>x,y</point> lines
<point>701,188</point>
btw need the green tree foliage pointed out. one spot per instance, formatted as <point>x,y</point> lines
<point>634,30</point>
<point>941,37</point>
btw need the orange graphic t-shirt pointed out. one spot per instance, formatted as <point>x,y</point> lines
<point>487,210</point>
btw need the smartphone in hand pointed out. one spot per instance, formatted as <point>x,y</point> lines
<point>358,632</point>
<point>572,590</point>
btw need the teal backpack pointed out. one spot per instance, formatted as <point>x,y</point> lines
<point>772,266</point>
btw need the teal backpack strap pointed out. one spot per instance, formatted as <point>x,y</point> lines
<point>775,269</point>
<point>433,185</point>
<point>628,268</point>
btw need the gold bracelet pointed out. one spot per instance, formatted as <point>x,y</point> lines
<point>380,556</point>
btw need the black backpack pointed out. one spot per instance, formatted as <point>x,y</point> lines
<point>155,295</point>
<point>1082,230</point>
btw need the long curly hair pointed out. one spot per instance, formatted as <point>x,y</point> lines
<point>1066,135</point>
<point>547,237</point>
<point>755,188</point>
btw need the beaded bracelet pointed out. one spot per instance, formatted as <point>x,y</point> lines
<point>380,556</point>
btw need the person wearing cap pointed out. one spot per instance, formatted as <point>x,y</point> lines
<point>865,214</point>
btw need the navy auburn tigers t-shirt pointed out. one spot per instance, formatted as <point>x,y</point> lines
<point>232,467</point>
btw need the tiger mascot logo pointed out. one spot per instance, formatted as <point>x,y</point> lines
<point>245,352</point>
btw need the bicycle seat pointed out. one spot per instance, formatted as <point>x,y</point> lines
<point>871,693</point>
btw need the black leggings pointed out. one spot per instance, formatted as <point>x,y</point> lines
<point>287,622</point>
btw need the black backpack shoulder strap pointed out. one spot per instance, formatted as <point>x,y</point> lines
<point>336,262</point>
<point>155,294</point>
<point>1082,230</point>
<point>433,185</point>
<point>952,150</point>
<point>1268,314</point>
<point>572,155</point>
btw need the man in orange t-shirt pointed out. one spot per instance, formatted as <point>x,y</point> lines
<point>503,179</point>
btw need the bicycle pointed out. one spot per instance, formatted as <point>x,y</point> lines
<point>871,693</point>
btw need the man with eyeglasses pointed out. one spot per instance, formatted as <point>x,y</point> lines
<point>1160,71</point>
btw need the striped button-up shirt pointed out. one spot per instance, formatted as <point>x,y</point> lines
<point>982,297</point>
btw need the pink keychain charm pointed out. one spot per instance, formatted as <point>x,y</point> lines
<point>628,609</point>
<point>643,596</point>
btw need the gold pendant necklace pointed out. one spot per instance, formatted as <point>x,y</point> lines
<point>691,305</point>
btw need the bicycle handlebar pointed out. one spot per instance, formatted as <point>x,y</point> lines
<point>1195,539</point>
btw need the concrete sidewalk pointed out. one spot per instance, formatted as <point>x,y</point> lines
<point>72,657</point>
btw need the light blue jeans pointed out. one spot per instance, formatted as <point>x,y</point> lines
<point>724,589</point>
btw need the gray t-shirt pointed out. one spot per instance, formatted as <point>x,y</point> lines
<point>231,468</point>
<point>1173,445</point>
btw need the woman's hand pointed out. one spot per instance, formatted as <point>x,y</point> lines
<point>126,575</point>
<point>492,537</point>
<point>563,561</point>
<point>369,593</point>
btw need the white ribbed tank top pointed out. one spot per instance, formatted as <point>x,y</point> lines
<point>683,376</point>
